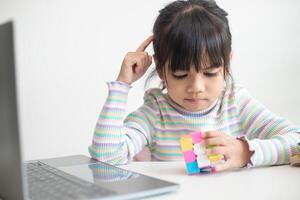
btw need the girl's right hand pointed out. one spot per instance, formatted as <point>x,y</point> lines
<point>135,64</point>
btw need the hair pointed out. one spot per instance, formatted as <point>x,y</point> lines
<point>191,33</point>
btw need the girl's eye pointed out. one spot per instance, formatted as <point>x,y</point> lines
<point>210,74</point>
<point>180,76</point>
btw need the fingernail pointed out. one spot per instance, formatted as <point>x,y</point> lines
<point>214,169</point>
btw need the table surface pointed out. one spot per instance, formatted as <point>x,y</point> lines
<point>275,182</point>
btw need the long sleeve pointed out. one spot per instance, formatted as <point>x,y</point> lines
<point>272,139</point>
<point>116,140</point>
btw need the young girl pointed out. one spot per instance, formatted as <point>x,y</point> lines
<point>192,46</point>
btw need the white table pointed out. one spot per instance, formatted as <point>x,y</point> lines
<point>274,183</point>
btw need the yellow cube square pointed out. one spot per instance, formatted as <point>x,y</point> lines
<point>186,143</point>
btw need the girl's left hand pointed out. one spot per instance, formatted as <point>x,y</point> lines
<point>235,151</point>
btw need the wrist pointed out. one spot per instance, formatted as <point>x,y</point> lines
<point>246,153</point>
<point>122,80</point>
<point>118,86</point>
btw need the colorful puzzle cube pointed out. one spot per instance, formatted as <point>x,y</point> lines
<point>194,154</point>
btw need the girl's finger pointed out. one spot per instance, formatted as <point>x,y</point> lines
<point>138,67</point>
<point>144,59</point>
<point>149,60</point>
<point>210,134</point>
<point>223,166</point>
<point>145,44</point>
<point>218,141</point>
<point>216,150</point>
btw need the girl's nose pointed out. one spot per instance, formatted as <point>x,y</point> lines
<point>196,84</point>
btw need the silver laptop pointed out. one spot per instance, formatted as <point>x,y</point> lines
<point>44,180</point>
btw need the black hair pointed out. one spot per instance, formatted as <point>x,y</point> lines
<point>191,33</point>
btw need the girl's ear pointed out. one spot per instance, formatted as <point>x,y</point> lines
<point>230,56</point>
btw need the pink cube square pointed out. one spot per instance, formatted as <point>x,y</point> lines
<point>196,137</point>
<point>189,156</point>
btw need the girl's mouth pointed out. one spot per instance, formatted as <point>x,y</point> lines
<point>196,100</point>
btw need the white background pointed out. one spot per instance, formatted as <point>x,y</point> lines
<point>66,50</point>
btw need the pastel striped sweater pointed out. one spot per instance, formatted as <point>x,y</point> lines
<point>159,123</point>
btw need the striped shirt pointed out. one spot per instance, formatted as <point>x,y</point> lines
<point>159,124</point>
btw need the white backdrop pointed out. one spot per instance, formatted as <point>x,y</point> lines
<point>66,50</point>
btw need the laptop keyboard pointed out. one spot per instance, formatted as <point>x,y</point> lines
<point>46,182</point>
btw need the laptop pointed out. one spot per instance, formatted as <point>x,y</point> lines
<point>40,180</point>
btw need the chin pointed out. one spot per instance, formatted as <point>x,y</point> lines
<point>195,109</point>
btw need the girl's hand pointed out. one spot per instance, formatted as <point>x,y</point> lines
<point>235,151</point>
<point>135,64</point>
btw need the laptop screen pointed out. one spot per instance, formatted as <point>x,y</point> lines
<point>10,157</point>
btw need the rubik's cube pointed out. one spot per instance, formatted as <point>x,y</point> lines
<point>194,154</point>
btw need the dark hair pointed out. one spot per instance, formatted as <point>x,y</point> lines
<point>191,33</point>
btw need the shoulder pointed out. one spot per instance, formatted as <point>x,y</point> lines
<point>236,92</point>
<point>153,95</point>
<point>235,95</point>
<point>240,98</point>
<point>156,99</point>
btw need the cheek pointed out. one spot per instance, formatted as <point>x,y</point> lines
<point>171,84</point>
<point>216,86</point>
<point>174,88</point>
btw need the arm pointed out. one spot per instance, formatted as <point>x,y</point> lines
<point>272,139</point>
<point>117,141</point>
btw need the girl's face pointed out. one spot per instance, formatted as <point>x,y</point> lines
<point>195,91</point>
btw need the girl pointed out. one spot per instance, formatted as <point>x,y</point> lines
<point>192,52</point>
